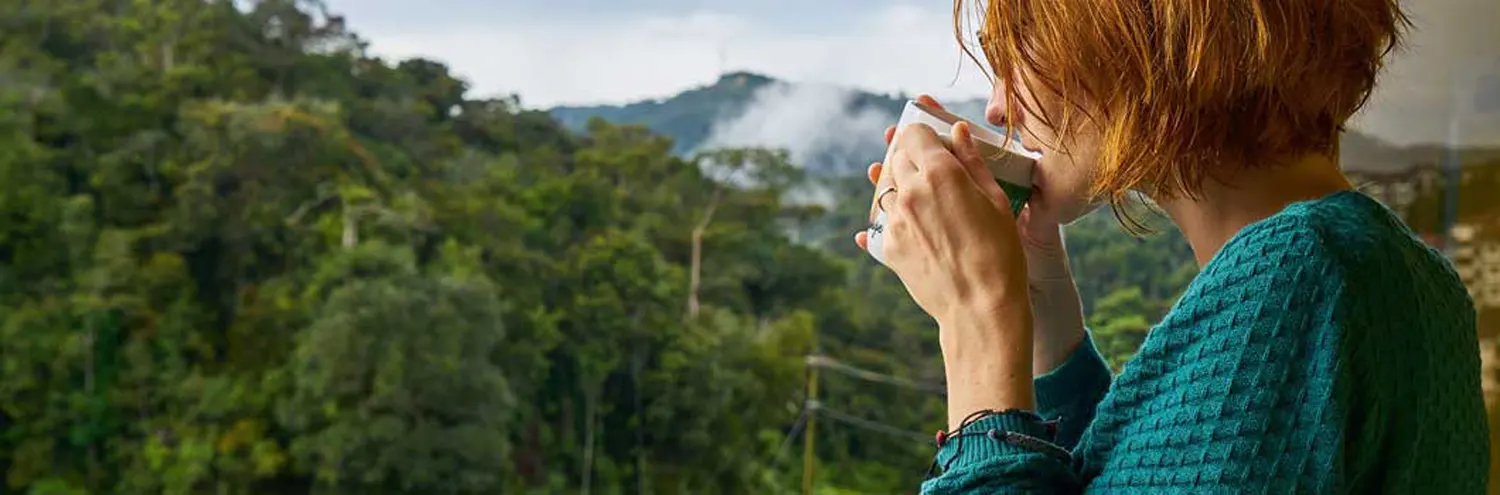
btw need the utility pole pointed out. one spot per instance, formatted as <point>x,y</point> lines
<point>812,424</point>
<point>1452,171</point>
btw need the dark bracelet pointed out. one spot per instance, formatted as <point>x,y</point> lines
<point>1028,442</point>
<point>977,416</point>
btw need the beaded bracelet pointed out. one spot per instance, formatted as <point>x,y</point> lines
<point>1015,438</point>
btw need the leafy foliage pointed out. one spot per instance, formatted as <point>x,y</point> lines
<point>240,255</point>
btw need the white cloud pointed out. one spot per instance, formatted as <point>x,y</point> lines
<point>806,120</point>
<point>888,49</point>
<point>630,53</point>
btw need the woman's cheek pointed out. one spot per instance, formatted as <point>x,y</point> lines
<point>1053,175</point>
<point>1066,186</point>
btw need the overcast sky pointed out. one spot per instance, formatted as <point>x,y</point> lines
<point>554,52</point>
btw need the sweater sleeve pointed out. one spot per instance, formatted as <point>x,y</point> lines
<point>1231,395</point>
<point>1243,421</point>
<point>1070,393</point>
<point>1007,453</point>
<point>1026,453</point>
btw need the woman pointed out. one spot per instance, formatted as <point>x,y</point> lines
<point>1321,347</point>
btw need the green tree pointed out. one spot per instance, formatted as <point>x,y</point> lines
<point>241,255</point>
<point>1119,324</point>
<point>394,386</point>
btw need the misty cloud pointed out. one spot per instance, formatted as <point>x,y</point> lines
<point>813,122</point>
<point>578,51</point>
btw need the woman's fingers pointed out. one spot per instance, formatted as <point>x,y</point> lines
<point>920,144</point>
<point>874,173</point>
<point>931,102</point>
<point>902,166</point>
<point>973,161</point>
<point>967,152</point>
<point>890,132</point>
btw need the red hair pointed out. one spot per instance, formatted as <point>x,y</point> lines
<point>1185,90</point>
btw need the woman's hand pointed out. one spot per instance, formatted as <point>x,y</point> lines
<point>952,241</point>
<point>1057,309</point>
<point>950,236</point>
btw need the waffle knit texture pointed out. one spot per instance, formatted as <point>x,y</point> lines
<point>1324,349</point>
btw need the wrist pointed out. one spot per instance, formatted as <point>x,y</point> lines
<point>988,317</point>
<point>997,380</point>
<point>1057,315</point>
<point>1047,265</point>
<point>1046,253</point>
<point>987,355</point>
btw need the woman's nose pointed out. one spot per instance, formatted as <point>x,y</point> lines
<point>994,110</point>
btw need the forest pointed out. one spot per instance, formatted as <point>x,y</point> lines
<point>239,254</point>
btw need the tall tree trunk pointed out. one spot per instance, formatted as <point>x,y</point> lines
<point>638,361</point>
<point>695,269</point>
<point>168,56</point>
<point>90,337</point>
<point>588,441</point>
<point>351,231</point>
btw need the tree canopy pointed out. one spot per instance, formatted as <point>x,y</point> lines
<point>240,254</point>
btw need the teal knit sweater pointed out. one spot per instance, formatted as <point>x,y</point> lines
<point>1324,349</point>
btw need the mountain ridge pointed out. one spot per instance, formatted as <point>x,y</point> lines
<point>691,118</point>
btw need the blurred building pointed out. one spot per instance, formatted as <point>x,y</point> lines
<point>1478,264</point>
<point>1489,351</point>
<point>1414,193</point>
<point>1417,194</point>
<point>1400,188</point>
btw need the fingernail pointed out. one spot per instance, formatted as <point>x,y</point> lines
<point>961,131</point>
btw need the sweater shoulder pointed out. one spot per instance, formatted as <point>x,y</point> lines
<point>1346,244</point>
<point>1277,268</point>
<point>1341,300</point>
<point>1324,348</point>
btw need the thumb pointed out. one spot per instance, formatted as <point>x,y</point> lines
<point>968,153</point>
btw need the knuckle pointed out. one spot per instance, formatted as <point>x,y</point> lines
<point>921,185</point>
<point>913,129</point>
<point>892,224</point>
<point>896,228</point>
<point>943,168</point>
<point>892,249</point>
<point>909,200</point>
<point>935,155</point>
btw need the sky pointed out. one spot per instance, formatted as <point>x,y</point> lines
<point>1444,86</point>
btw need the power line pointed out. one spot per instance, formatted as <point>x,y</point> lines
<point>808,453</point>
<point>867,375</point>
<point>811,407</point>
<point>791,433</point>
<point>841,417</point>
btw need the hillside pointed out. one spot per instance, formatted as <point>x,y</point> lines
<point>835,131</point>
<point>686,117</point>
<point>255,259</point>
<point>692,117</point>
<point>240,255</point>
